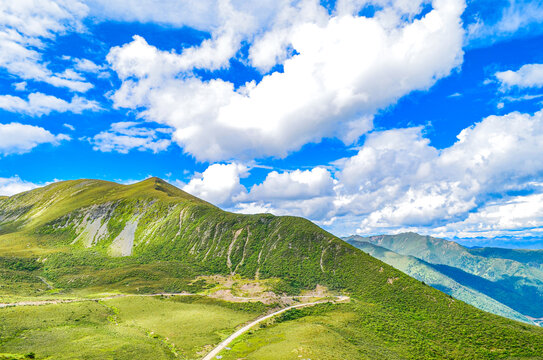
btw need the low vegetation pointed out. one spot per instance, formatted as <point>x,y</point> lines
<point>58,242</point>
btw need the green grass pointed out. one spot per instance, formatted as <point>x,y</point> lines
<point>189,327</point>
<point>179,238</point>
<point>74,331</point>
<point>307,338</point>
<point>365,331</point>
<point>124,328</point>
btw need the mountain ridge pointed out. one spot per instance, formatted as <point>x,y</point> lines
<point>83,235</point>
<point>495,273</point>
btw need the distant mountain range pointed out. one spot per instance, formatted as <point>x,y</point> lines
<point>507,282</point>
<point>91,236</point>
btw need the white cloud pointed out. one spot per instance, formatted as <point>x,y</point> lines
<point>397,181</point>
<point>294,185</point>
<point>517,17</point>
<point>17,138</point>
<point>69,126</point>
<point>520,214</point>
<point>528,76</point>
<point>14,185</point>
<point>308,193</point>
<point>254,208</point>
<point>228,22</point>
<point>125,136</point>
<point>346,68</point>
<point>419,186</point>
<point>26,26</point>
<point>20,86</point>
<point>39,104</point>
<point>85,65</point>
<point>219,183</point>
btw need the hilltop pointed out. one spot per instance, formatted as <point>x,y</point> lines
<point>88,236</point>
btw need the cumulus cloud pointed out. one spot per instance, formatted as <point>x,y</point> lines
<point>528,76</point>
<point>219,183</point>
<point>17,138</point>
<point>397,182</point>
<point>39,104</point>
<point>307,193</point>
<point>434,187</point>
<point>25,28</point>
<point>518,215</point>
<point>14,185</point>
<point>294,185</point>
<point>125,136</point>
<point>342,69</point>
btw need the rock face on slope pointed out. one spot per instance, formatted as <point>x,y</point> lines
<point>154,219</point>
<point>89,233</point>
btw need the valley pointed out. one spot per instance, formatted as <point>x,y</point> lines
<point>506,282</point>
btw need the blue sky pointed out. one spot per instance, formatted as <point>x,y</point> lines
<point>366,117</point>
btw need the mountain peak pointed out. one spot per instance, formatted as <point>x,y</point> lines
<point>153,179</point>
<point>157,184</point>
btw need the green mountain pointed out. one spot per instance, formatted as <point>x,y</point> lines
<point>430,275</point>
<point>85,237</point>
<point>513,278</point>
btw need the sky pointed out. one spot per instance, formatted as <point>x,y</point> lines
<point>365,116</point>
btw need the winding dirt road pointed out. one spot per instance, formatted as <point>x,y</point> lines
<point>212,355</point>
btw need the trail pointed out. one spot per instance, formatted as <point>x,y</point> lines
<point>211,355</point>
<point>66,301</point>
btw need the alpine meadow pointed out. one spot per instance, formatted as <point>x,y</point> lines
<point>271,179</point>
<point>92,241</point>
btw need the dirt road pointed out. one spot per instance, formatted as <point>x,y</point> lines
<point>228,340</point>
<point>65,301</point>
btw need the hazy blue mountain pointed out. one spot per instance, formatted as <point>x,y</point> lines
<point>512,278</point>
<point>533,258</point>
<point>432,276</point>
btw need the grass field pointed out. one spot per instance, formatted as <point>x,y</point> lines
<point>179,243</point>
<point>124,328</point>
<point>311,337</point>
<point>359,330</point>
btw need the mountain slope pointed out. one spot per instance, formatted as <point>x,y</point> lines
<point>426,272</point>
<point>512,277</point>
<point>152,237</point>
<point>532,258</point>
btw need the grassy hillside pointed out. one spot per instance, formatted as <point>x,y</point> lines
<point>512,277</point>
<point>86,237</point>
<point>430,274</point>
<point>123,328</point>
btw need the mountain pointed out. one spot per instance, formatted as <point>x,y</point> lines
<point>513,278</point>
<point>532,258</point>
<point>430,275</point>
<point>88,236</point>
